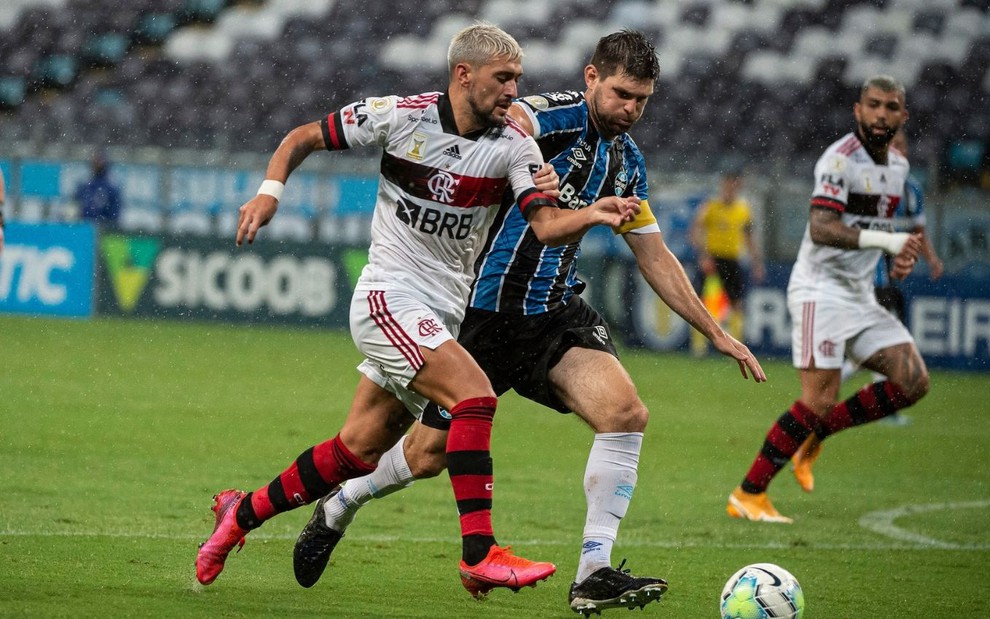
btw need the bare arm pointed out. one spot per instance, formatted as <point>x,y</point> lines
<point>935,266</point>
<point>291,152</point>
<point>556,226</point>
<point>826,228</point>
<point>666,276</point>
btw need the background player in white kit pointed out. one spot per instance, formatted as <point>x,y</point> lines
<point>858,184</point>
<point>448,158</point>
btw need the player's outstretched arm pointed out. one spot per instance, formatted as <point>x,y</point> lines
<point>663,271</point>
<point>556,226</point>
<point>826,228</point>
<point>292,151</point>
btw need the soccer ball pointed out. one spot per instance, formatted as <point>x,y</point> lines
<point>762,591</point>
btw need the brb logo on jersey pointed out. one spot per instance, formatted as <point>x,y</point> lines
<point>432,221</point>
<point>442,185</point>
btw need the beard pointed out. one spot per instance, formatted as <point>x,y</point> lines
<point>874,141</point>
<point>606,125</point>
<point>485,117</point>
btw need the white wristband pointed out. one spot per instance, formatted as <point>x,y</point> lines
<point>272,188</point>
<point>890,242</point>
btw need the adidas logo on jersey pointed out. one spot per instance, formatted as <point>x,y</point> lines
<point>453,152</point>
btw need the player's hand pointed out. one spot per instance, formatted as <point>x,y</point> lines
<point>547,181</point>
<point>913,246</point>
<point>731,347</point>
<point>904,262</point>
<point>936,268</point>
<point>614,211</point>
<point>256,212</point>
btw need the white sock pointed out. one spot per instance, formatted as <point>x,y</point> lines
<point>609,481</point>
<point>392,475</point>
<point>848,369</point>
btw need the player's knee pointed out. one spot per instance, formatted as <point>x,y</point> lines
<point>426,452</point>
<point>820,406</point>
<point>631,417</point>
<point>916,388</point>
<point>424,465</point>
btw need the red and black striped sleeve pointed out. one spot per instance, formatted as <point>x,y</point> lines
<point>532,198</point>
<point>829,203</point>
<point>333,132</point>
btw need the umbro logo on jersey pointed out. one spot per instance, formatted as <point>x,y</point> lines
<point>577,158</point>
<point>601,334</point>
<point>453,151</point>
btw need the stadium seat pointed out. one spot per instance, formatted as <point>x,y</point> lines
<point>155,55</point>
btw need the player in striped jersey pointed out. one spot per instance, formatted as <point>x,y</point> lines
<point>531,331</point>
<point>910,216</point>
<point>859,182</point>
<point>448,157</point>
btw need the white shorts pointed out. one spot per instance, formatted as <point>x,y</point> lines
<point>389,327</point>
<point>829,332</point>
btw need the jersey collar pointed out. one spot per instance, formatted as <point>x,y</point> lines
<point>447,122</point>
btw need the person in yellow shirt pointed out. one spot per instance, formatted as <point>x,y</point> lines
<point>722,233</point>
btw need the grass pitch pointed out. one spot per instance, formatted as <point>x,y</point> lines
<point>114,435</point>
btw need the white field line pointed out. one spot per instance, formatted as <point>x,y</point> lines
<point>882,522</point>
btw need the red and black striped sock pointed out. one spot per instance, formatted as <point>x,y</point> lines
<point>783,440</point>
<point>469,464</point>
<point>872,402</point>
<point>313,475</point>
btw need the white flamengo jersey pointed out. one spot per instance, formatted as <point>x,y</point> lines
<point>867,195</point>
<point>437,194</point>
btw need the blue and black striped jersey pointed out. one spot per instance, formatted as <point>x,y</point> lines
<point>516,273</point>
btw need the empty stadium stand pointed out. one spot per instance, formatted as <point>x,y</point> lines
<point>769,82</point>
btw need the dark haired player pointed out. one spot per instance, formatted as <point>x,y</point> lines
<point>431,218</point>
<point>530,331</point>
<point>859,182</point>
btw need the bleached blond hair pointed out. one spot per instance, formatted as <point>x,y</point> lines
<point>479,44</point>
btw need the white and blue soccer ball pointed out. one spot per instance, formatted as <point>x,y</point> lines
<point>762,591</point>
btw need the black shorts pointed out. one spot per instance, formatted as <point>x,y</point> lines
<point>733,279</point>
<point>517,352</point>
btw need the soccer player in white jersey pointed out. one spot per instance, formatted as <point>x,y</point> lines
<point>448,158</point>
<point>530,330</point>
<point>858,184</point>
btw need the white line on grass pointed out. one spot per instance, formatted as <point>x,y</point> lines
<point>913,545</point>
<point>882,522</point>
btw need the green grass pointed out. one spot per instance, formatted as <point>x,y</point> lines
<point>115,434</point>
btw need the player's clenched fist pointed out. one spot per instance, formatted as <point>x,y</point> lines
<point>256,212</point>
<point>904,261</point>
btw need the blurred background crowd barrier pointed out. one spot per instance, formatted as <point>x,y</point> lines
<point>187,98</point>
